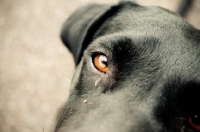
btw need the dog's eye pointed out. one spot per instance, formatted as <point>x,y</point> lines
<point>194,122</point>
<point>100,61</point>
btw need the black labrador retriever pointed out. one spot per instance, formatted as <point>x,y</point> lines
<point>138,70</point>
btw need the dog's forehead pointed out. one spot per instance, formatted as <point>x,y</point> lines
<point>162,35</point>
<point>148,19</point>
<point>171,56</point>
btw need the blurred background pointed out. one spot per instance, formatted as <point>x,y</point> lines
<point>35,67</point>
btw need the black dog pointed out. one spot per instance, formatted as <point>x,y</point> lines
<point>137,71</point>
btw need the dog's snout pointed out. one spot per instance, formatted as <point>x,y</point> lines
<point>109,113</point>
<point>114,120</point>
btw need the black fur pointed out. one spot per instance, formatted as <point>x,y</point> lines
<point>153,80</point>
<point>185,7</point>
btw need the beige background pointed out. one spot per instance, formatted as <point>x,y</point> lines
<point>35,67</point>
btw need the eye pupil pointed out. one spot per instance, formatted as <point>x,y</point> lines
<point>103,61</point>
<point>100,62</point>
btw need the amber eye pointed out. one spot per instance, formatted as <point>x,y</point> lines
<point>100,61</point>
<point>194,122</point>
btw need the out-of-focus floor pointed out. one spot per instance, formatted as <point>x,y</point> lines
<point>35,67</point>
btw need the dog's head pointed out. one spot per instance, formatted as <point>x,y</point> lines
<point>137,71</point>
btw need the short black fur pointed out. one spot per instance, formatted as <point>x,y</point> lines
<point>153,80</point>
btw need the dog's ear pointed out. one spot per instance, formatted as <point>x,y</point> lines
<point>78,31</point>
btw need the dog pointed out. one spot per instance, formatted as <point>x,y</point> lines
<point>137,70</point>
